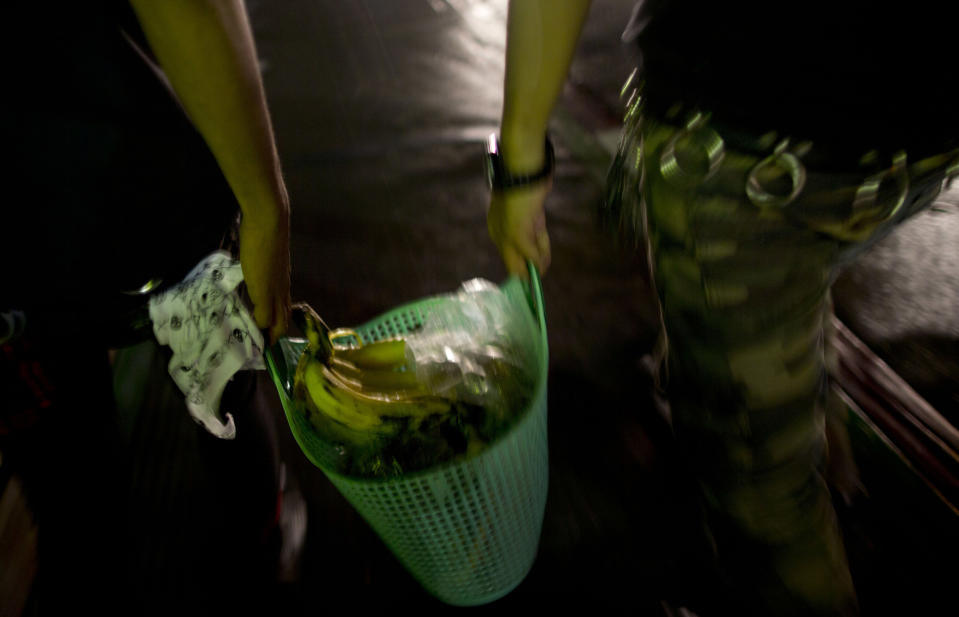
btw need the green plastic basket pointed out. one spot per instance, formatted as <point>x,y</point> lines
<point>467,531</point>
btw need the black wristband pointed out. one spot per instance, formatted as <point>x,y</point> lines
<point>498,175</point>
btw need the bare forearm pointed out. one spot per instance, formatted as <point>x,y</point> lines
<point>541,40</point>
<point>206,50</point>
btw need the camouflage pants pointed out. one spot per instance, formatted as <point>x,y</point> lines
<point>744,239</point>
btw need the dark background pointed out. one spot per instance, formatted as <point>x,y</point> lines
<point>381,108</point>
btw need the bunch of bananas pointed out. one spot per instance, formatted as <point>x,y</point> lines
<point>366,401</point>
<point>360,386</point>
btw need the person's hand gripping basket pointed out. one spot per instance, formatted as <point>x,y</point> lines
<point>453,483</point>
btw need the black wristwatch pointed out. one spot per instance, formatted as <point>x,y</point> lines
<point>498,174</point>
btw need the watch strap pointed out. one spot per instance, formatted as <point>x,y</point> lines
<point>499,176</point>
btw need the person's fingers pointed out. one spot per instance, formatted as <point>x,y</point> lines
<point>515,263</point>
<point>541,239</point>
<point>525,241</point>
<point>281,319</point>
<point>260,319</point>
<point>531,244</point>
<point>545,255</point>
<point>263,314</point>
<point>516,223</point>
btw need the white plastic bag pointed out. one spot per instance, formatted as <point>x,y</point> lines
<point>478,346</point>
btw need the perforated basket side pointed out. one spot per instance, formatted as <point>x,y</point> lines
<point>281,362</point>
<point>467,532</point>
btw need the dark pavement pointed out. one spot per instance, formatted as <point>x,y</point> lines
<point>381,108</point>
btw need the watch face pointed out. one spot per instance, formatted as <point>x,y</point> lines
<point>493,169</point>
<point>494,174</point>
<point>490,170</point>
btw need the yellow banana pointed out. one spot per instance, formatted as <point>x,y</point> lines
<point>335,419</point>
<point>336,403</point>
<point>359,390</point>
<point>358,409</point>
<point>385,384</point>
<point>384,354</point>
